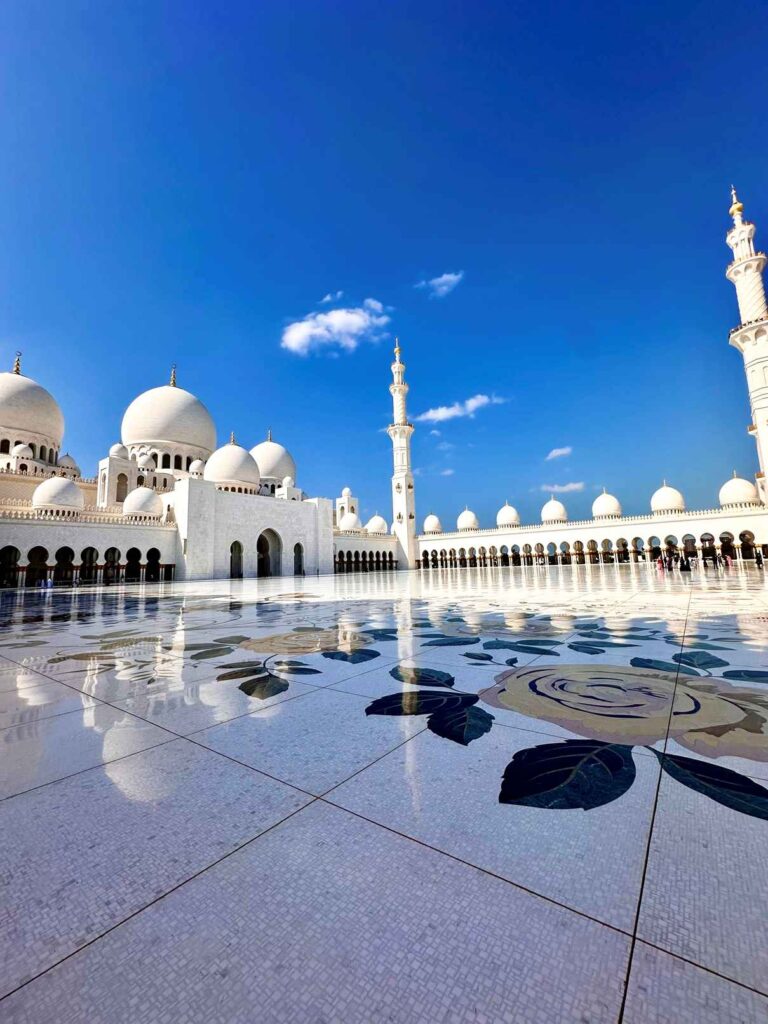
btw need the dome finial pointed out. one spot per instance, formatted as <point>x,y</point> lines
<point>269,433</point>
<point>17,363</point>
<point>737,207</point>
<point>397,350</point>
<point>232,438</point>
<point>173,375</point>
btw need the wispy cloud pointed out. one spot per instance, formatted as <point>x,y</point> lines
<point>445,446</point>
<point>563,488</point>
<point>447,472</point>
<point>441,286</point>
<point>459,409</point>
<point>434,433</point>
<point>331,297</point>
<point>336,329</point>
<point>559,453</point>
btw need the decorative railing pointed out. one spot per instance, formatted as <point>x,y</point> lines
<point>748,323</point>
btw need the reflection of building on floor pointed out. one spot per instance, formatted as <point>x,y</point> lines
<point>167,504</point>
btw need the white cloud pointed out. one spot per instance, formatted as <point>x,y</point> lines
<point>559,453</point>
<point>445,446</point>
<point>458,409</point>
<point>563,488</point>
<point>434,433</point>
<point>441,286</point>
<point>446,472</point>
<point>336,329</point>
<point>331,297</point>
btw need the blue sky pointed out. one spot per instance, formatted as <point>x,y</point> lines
<point>186,181</point>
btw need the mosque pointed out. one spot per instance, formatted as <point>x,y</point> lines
<point>167,503</point>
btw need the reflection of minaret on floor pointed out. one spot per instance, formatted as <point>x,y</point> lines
<point>403,497</point>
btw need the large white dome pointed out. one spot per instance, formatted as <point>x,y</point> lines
<point>26,408</point>
<point>376,524</point>
<point>667,499</point>
<point>738,491</point>
<point>143,503</point>
<point>350,522</point>
<point>58,494</point>
<point>606,506</point>
<point>274,461</point>
<point>554,512</point>
<point>232,466</point>
<point>467,521</point>
<point>168,415</point>
<point>507,515</point>
<point>432,524</point>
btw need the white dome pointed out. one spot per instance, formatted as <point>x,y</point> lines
<point>146,462</point>
<point>554,512</point>
<point>22,451</point>
<point>467,521</point>
<point>667,499</point>
<point>118,451</point>
<point>738,491</point>
<point>58,493</point>
<point>346,492</point>
<point>197,467</point>
<point>144,503</point>
<point>274,461</point>
<point>288,481</point>
<point>507,515</point>
<point>232,466</point>
<point>67,462</point>
<point>606,506</point>
<point>432,524</point>
<point>376,524</point>
<point>26,408</point>
<point>350,521</point>
<point>168,415</point>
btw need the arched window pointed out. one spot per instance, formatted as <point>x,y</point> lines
<point>5,446</point>
<point>166,463</point>
<point>122,487</point>
<point>43,453</point>
<point>235,560</point>
<point>298,560</point>
<point>177,462</point>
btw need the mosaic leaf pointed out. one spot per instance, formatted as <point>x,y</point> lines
<point>239,670</point>
<point>462,726</point>
<point>420,702</point>
<point>747,675</point>
<point>233,640</point>
<point>722,785</point>
<point>353,657</point>
<point>421,676</point>
<point>381,635</point>
<point>572,774</point>
<point>662,666</point>
<point>297,670</point>
<point>453,641</point>
<point>699,659</point>
<point>586,648</point>
<point>263,686</point>
<point>478,656</point>
<point>511,662</point>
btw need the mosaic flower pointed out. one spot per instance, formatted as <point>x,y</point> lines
<point>309,640</point>
<point>636,705</point>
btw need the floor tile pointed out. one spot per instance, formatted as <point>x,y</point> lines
<point>82,855</point>
<point>45,699</point>
<point>330,918</point>
<point>663,989</point>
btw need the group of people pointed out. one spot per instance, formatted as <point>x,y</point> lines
<point>682,562</point>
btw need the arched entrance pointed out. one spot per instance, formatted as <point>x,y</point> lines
<point>298,560</point>
<point>9,566</point>
<point>37,570</point>
<point>269,552</point>
<point>62,572</point>
<point>112,565</point>
<point>89,558</point>
<point>132,565</point>
<point>152,574</point>
<point>235,560</point>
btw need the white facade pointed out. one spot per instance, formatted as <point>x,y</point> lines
<point>167,503</point>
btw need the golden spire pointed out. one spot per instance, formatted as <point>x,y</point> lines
<point>269,434</point>
<point>736,206</point>
<point>17,363</point>
<point>173,375</point>
<point>397,350</point>
<point>232,438</point>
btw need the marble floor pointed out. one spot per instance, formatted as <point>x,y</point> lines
<point>515,795</point>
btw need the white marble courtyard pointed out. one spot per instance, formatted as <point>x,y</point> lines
<point>518,795</point>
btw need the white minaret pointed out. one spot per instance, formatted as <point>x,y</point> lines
<point>751,336</point>
<point>403,498</point>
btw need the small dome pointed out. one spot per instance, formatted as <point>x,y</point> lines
<point>58,494</point>
<point>197,467</point>
<point>554,512</point>
<point>467,521</point>
<point>606,506</point>
<point>143,503</point>
<point>738,491</point>
<point>274,461</point>
<point>168,415</point>
<point>432,524</point>
<point>507,515</point>
<point>67,462</point>
<point>667,499</point>
<point>288,481</point>
<point>392,529</point>
<point>118,451</point>
<point>26,408</point>
<point>22,451</point>
<point>232,466</point>
<point>350,521</point>
<point>346,492</point>
<point>146,462</point>
<point>376,524</point>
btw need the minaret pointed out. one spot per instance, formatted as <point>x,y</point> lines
<point>403,498</point>
<point>751,336</point>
